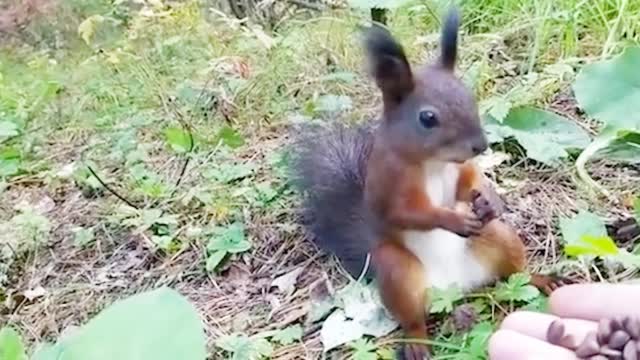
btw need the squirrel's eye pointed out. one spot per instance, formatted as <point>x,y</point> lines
<point>428,119</point>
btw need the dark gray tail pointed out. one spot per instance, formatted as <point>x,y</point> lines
<point>329,165</point>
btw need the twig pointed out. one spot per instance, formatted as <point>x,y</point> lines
<point>111,190</point>
<point>187,128</point>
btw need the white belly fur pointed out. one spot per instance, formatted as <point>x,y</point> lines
<point>445,256</point>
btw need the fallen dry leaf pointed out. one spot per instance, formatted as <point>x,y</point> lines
<point>286,283</point>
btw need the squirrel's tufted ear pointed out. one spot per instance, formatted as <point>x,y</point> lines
<point>449,40</point>
<point>388,64</point>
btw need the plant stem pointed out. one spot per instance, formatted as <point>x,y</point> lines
<point>606,49</point>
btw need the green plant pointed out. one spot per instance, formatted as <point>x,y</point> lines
<point>613,107</point>
<point>443,300</point>
<point>225,241</point>
<point>161,324</point>
<point>11,347</point>
<point>516,288</point>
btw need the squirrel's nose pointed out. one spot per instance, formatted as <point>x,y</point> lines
<point>479,145</point>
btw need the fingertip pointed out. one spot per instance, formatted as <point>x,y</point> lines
<point>595,301</point>
<point>507,344</point>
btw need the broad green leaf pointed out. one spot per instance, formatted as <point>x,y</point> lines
<point>10,161</point>
<point>288,335</point>
<point>444,299</point>
<point>608,90</point>
<point>624,148</point>
<point>517,288</point>
<point>11,347</point>
<point>636,208</point>
<point>8,129</point>
<point>214,259</point>
<point>161,324</point>
<point>231,239</point>
<point>47,351</point>
<point>230,137</point>
<point>545,136</point>
<point>242,347</point>
<point>178,139</point>
<point>592,245</point>
<point>584,223</point>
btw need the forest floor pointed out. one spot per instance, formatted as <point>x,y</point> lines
<point>124,95</point>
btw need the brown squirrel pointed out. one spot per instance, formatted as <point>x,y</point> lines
<point>406,190</point>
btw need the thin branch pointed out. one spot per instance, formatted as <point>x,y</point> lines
<point>111,190</point>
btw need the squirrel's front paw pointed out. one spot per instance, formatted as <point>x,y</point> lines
<point>468,225</point>
<point>482,207</point>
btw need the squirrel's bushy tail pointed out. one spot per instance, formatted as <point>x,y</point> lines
<point>328,168</point>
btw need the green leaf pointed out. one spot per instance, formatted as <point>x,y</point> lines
<point>11,347</point>
<point>346,77</point>
<point>230,137</point>
<point>584,223</point>
<point>231,239</point>
<point>10,161</point>
<point>82,236</point>
<point>179,139</point>
<point>545,136</point>
<point>636,208</point>
<point>517,288</point>
<point>332,103</point>
<point>497,107</point>
<point>444,299</point>
<point>8,129</point>
<point>161,324</point>
<point>538,304</point>
<point>363,350</point>
<point>243,347</point>
<point>288,335</point>
<point>228,172</point>
<point>479,336</point>
<point>624,148</point>
<point>214,259</point>
<point>592,245</point>
<point>385,353</point>
<point>608,90</point>
<point>47,352</point>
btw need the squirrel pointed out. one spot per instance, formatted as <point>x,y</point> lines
<point>406,190</point>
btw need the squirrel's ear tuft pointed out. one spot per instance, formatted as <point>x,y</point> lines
<point>388,64</point>
<point>449,39</point>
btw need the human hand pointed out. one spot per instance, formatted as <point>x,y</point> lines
<point>522,335</point>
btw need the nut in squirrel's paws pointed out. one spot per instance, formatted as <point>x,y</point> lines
<point>482,207</point>
<point>415,352</point>
<point>471,225</point>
